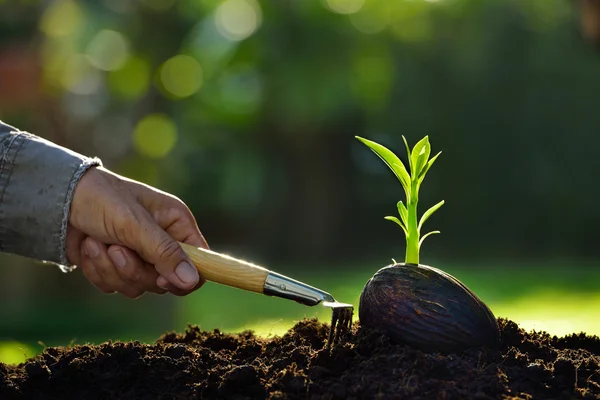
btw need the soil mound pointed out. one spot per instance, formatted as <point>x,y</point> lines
<point>365,365</point>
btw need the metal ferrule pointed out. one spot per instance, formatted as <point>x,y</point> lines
<point>288,288</point>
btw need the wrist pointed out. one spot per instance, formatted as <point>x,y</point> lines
<point>84,194</point>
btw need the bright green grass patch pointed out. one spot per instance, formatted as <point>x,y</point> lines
<point>558,313</point>
<point>12,352</point>
<point>557,299</point>
<point>554,312</point>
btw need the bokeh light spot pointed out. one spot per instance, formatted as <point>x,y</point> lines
<point>181,76</point>
<point>412,22</point>
<point>108,50</point>
<point>371,19</point>
<point>345,6</point>
<point>78,75</point>
<point>238,19</point>
<point>61,18</point>
<point>55,56</point>
<point>155,136</point>
<point>132,79</point>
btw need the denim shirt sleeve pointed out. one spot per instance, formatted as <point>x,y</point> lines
<point>37,181</point>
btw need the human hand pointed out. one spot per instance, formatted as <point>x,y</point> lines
<point>123,234</point>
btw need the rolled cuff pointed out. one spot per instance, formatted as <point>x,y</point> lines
<point>38,180</point>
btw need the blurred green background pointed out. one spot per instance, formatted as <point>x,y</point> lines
<point>247,110</point>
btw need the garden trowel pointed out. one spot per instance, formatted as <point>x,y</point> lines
<point>226,270</point>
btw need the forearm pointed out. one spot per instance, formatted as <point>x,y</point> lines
<point>37,181</point>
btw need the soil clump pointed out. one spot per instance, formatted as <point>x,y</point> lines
<point>364,365</point>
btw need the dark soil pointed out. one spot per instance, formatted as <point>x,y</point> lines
<point>213,365</point>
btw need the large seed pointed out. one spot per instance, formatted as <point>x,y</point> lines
<point>426,308</point>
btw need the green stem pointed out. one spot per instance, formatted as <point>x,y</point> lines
<point>412,240</point>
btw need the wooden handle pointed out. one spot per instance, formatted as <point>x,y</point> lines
<point>227,270</point>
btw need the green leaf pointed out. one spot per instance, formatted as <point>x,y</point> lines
<point>423,238</point>
<point>408,153</point>
<point>392,161</point>
<point>427,166</point>
<point>428,214</point>
<point>419,156</point>
<point>419,163</point>
<point>396,220</point>
<point>403,212</point>
<point>422,160</point>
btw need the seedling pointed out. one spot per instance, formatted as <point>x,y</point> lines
<point>417,304</point>
<point>419,163</point>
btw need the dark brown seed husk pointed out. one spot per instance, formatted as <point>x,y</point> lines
<point>427,308</point>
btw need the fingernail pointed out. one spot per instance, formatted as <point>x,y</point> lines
<point>187,273</point>
<point>118,258</point>
<point>92,249</point>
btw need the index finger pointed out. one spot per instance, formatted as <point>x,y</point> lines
<point>179,222</point>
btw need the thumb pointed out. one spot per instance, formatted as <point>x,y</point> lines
<point>157,247</point>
